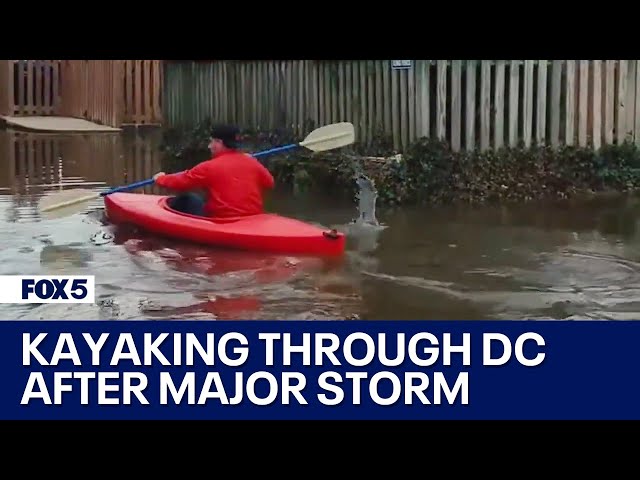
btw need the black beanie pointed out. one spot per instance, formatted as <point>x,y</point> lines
<point>228,134</point>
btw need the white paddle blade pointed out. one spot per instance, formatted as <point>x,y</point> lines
<point>329,137</point>
<point>62,212</point>
<point>66,202</point>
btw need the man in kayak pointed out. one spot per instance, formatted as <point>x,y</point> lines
<point>233,180</point>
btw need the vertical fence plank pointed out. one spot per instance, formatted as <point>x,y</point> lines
<point>264,95</point>
<point>411,103</point>
<point>609,100</point>
<point>423,67</point>
<point>20,104</point>
<point>157,92</point>
<point>243,94</point>
<point>371,105</point>
<point>148,92</point>
<point>298,70</point>
<point>326,100</point>
<point>629,99</point>
<point>583,93</point>
<point>313,85</point>
<point>39,101</point>
<point>256,117</point>
<point>130,107</point>
<point>441,109</point>
<point>350,92</point>
<point>498,119</point>
<point>321,101</point>
<point>527,113</point>
<point>346,81</point>
<point>138,102</point>
<point>7,87</point>
<point>485,104</point>
<point>120,93</point>
<point>362,95</point>
<point>288,97</point>
<point>385,106</point>
<point>555,107</point>
<point>394,109</point>
<point>596,135</point>
<point>381,97</point>
<point>404,111</point>
<point>302,105</point>
<point>514,101</point>
<point>29,101</point>
<point>470,114</point>
<point>456,104</point>
<point>621,116</point>
<point>55,80</point>
<point>570,102</point>
<point>541,110</point>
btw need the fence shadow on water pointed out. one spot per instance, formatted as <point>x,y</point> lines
<point>32,164</point>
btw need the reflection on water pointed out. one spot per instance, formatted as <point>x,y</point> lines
<point>569,260</point>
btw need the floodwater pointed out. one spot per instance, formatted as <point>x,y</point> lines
<point>571,260</point>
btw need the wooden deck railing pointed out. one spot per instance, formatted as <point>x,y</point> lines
<point>29,87</point>
<point>109,92</point>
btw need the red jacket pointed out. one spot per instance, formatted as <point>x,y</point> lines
<point>233,180</point>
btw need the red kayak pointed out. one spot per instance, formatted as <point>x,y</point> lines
<point>265,232</point>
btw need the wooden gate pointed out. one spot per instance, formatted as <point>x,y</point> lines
<point>29,87</point>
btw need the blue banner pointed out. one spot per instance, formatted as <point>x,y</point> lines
<point>517,370</point>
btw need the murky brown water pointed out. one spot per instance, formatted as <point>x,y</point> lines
<point>578,260</point>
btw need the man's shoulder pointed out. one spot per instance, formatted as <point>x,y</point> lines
<point>235,154</point>
<point>233,160</point>
<point>244,157</point>
<point>204,164</point>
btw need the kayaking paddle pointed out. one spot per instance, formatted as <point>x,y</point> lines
<point>321,139</point>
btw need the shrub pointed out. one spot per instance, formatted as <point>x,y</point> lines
<point>430,171</point>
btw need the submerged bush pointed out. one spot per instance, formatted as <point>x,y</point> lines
<point>432,172</point>
<point>429,171</point>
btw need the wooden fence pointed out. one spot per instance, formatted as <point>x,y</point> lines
<point>142,91</point>
<point>469,103</point>
<point>109,92</point>
<point>89,90</point>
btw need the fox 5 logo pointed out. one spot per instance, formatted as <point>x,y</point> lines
<point>47,289</point>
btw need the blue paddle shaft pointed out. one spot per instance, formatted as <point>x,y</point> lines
<point>150,181</point>
<point>131,186</point>
<point>275,150</point>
